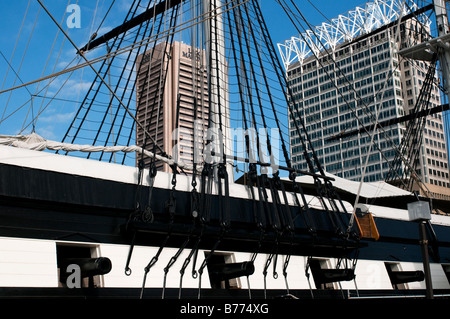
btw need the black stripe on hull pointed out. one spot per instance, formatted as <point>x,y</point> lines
<point>50,205</point>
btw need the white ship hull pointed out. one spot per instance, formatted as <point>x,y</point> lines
<point>30,261</point>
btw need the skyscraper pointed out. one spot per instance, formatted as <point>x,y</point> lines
<point>351,80</point>
<point>172,94</point>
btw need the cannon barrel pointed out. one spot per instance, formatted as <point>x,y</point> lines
<point>336,275</point>
<point>231,270</point>
<point>324,276</point>
<point>401,277</point>
<point>90,266</point>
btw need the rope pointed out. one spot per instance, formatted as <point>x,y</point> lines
<point>15,47</point>
<point>96,72</point>
<point>170,207</point>
<point>372,136</point>
<point>37,143</point>
<point>144,42</point>
<point>37,91</point>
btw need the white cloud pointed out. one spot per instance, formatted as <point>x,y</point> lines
<point>78,86</point>
<point>46,132</point>
<point>57,118</point>
<point>68,89</point>
<point>103,30</point>
<point>53,124</point>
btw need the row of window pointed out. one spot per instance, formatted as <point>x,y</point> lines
<point>434,143</point>
<point>342,81</point>
<point>328,99</point>
<point>438,173</point>
<point>437,163</point>
<point>328,70</point>
<point>436,125</point>
<point>439,183</point>
<point>436,153</point>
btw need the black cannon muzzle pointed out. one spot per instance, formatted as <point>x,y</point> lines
<point>232,270</point>
<point>90,266</point>
<point>334,275</point>
<point>402,277</point>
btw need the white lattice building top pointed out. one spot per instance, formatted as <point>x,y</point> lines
<point>345,27</point>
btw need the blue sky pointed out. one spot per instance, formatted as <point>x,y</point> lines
<point>34,58</point>
<point>282,29</point>
<point>29,33</point>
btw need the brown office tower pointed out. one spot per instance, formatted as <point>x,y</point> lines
<point>172,97</point>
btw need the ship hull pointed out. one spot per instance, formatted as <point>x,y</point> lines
<point>51,202</point>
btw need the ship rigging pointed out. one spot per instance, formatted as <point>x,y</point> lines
<point>197,91</point>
